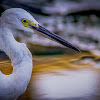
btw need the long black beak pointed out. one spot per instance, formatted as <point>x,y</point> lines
<point>55,37</point>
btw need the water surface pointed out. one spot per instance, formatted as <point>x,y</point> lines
<point>61,77</point>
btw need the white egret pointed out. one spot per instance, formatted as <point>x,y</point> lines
<point>13,20</point>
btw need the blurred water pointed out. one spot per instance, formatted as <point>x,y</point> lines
<point>67,84</point>
<point>58,78</point>
<point>61,77</point>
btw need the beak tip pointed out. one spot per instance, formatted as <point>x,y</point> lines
<point>77,49</point>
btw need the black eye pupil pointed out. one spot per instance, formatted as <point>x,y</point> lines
<point>24,20</point>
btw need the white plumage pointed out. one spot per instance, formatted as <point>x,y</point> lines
<point>18,20</point>
<point>13,85</point>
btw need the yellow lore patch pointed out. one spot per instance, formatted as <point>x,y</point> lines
<point>27,23</point>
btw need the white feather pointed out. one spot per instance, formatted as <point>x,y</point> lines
<point>15,84</point>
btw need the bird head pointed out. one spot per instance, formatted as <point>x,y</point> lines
<point>19,19</point>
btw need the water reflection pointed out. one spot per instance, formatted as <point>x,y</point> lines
<point>66,84</point>
<point>58,78</point>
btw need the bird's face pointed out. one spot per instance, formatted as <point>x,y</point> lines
<point>44,32</point>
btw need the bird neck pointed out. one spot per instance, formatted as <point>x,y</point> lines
<point>16,51</point>
<point>10,46</point>
<point>21,60</point>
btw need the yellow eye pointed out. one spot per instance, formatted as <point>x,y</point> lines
<point>24,20</point>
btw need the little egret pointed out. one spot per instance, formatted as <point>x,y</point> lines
<point>18,20</point>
